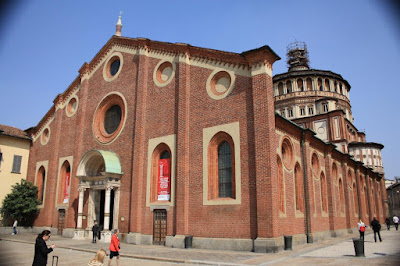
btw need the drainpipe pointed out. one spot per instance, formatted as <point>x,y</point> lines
<point>305,188</point>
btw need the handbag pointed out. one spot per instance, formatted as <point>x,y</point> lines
<point>362,228</point>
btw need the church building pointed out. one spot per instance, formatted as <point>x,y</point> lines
<point>168,140</point>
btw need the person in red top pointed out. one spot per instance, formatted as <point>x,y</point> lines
<point>114,247</point>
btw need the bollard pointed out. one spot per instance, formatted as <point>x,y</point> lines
<point>188,241</point>
<point>288,242</point>
<point>359,247</point>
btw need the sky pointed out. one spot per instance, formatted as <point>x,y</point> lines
<point>44,43</point>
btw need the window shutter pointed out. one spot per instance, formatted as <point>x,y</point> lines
<point>17,164</point>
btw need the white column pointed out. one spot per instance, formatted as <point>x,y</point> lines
<point>91,213</point>
<point>116,208</point>
<point>80,207</point>
<point>107,209</point>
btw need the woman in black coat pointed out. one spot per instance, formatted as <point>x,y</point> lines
<point>41,249</point>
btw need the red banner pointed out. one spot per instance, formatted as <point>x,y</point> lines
<point>66,189</point>
<point>164,182</point>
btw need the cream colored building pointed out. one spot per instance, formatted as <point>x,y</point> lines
<point>14,156</point>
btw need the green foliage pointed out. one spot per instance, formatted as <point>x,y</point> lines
<point>21,204</point>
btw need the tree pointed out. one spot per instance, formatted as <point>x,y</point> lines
<point>21,204</point>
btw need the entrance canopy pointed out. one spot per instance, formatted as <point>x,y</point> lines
<point>99,163</point>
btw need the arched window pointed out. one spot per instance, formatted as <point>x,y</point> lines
<point>300,85</point>
<point>299,188</point>
<point>327,85</point>
<point>281,190</point>
<point>280,89</point>
<point>372,201</point>
<point>161,174</point>
<point>350,187</point>
<point>315,165</point>
<point>341,196</point>
<point>335,178</point>
<point>335,85</point>
<point>323,193</point>
<point>225,170</point>
<point>64,183</point>
<point>309,84</point>
<point>320,84</point>
<point>355,198</point>
<point>221,160</point>
<point>289,86</point>
<point>40,182</point>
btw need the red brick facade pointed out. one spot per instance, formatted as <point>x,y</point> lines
<point>183,108</point>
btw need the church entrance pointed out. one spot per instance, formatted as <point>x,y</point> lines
<point>99,172</point>
<point>101,210</point>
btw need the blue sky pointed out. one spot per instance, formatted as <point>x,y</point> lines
<point>44,43</point>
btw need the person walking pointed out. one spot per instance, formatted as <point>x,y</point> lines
<point>376,226</point>
<point>41,249</point>
<point>15,227</point>
<point>95,231</point>
<point>361,229</point>
<point>396,222</point>
<point>98,260</point>
<point>387,221</point>
<point>114,247</point>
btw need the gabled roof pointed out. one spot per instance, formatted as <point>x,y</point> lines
<point>264,55</point>
<point>246,58</point>
<point>13,132</point>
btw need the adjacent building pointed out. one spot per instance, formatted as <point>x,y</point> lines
<point>14,155</point>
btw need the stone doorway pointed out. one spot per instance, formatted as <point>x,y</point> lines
<point>99,172</point>
<point>61,221</point>
<point>159,227</point>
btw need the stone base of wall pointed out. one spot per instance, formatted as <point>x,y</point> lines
<point>222,243</point>
<point>68,232</point>
<point>339,232</point>
<point>21,229</point>
<point>268,245</point>
<point>259,245</point>
<point>299,239</point>
<point>139,239</point>
<point>177,241</point>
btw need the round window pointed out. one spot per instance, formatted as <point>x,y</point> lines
<point>114,67</point>
<point>163,73</point>
<point>109,118</point>
<point>45,136</point>
<point>220,84</point>
<point>112,119</point>
<point>72,106</point>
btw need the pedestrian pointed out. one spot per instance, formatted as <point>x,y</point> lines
<point>95,231</point>
<point>376,226</point>
<point>101,228</point>
<point>396,222</point>
<point>98,260</point>
<point>41,249</point>
<point>114,247</point>
<point>15,227</point>
<point>387,221</point>
<point>361,229</point>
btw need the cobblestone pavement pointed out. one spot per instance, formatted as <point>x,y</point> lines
<point>18,250</point>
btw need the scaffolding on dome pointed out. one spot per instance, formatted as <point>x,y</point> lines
<point>297,56</point>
